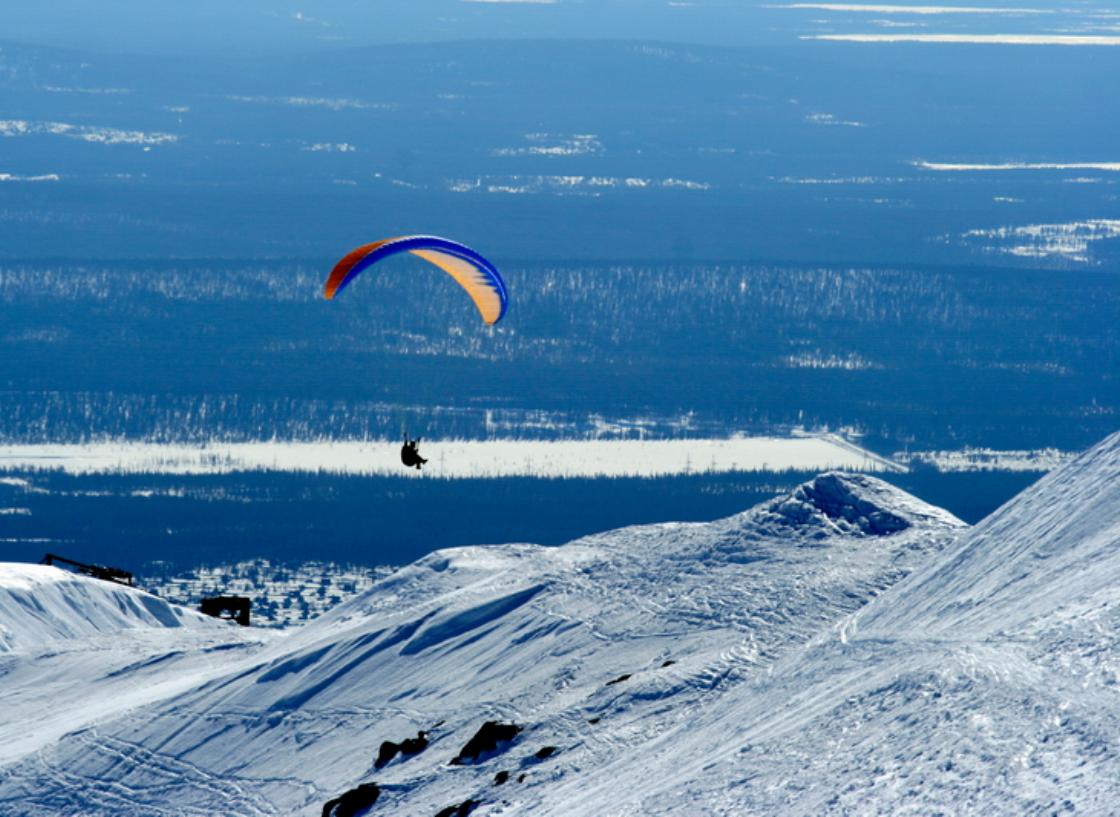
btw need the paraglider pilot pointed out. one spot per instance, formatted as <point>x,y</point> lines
<point>410,454</point>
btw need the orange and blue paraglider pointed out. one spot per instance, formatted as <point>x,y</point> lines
<point>474,273</point>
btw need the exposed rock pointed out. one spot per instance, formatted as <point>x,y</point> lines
<point>837,503</point>
<point>619,679</point>
<point>545,752</point>
<point>501,777</point>
<point>354,802</point>
<point>492,737</point>
<point>387,752</point>
<point>407,748</point>
<point>461,810</point>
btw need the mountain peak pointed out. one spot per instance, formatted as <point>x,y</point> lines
<point>846,504</point>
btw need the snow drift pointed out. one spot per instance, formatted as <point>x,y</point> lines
<point>41,604</point>
<point>75,651</point>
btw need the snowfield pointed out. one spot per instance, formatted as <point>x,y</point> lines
<point>457,459</point>
<point>75,650</point>
<point>842,649</point>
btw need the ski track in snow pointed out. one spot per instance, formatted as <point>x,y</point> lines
<point>845,648</point>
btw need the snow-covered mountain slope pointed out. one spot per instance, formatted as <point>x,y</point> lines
<point>75,650</point>
<point>1054,545</point>
<point>987,683</point>
<point>40,605</point>
<point>606,652</point>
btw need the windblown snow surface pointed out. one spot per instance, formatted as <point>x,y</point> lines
<point>75,650</point>
<point>843,649</point>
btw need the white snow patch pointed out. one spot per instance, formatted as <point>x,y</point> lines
<point>1070,241</point>
<point>15,177</point>
<point>457,458</point>
<point>543,144</point>
<point>832,119</point>
<point>849,362</point>
<point>330,103</point>
<point>1112,167</point>
<point>87,133</point>
<point>40,605</point>
<point>568,184</point>
<point>987,459</point>
<point>975,39</point>
<point>329,147</point>
<point>75,651</point>
<point>880,8</point>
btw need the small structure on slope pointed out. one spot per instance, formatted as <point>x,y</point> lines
<point>235,608</point>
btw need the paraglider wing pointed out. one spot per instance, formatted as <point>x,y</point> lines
<point>473,272</point>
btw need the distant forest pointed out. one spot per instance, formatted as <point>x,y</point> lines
<point>912,358</point>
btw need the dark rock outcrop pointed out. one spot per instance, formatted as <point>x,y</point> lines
<point>461,810</point>
<point>492,737</point>
<point>354,802</point>
<point>501,777</point>
<point>545,752</point>
<point>619,679</point>
<point>387,752</point>
<point>407,748</point>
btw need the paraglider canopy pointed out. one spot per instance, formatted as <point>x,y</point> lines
<point>474,273</point>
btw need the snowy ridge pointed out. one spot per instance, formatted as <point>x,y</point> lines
<point>986,683</point>
<point>600,650</point>
<point>1056,542</point>
<point>41,604</point>
<point>75,651</point>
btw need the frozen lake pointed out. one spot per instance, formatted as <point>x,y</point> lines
<point>458,459</point>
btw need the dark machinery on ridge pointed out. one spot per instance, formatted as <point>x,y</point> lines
<point>108,574</point>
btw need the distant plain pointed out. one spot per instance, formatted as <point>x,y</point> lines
<point>708,230</point>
